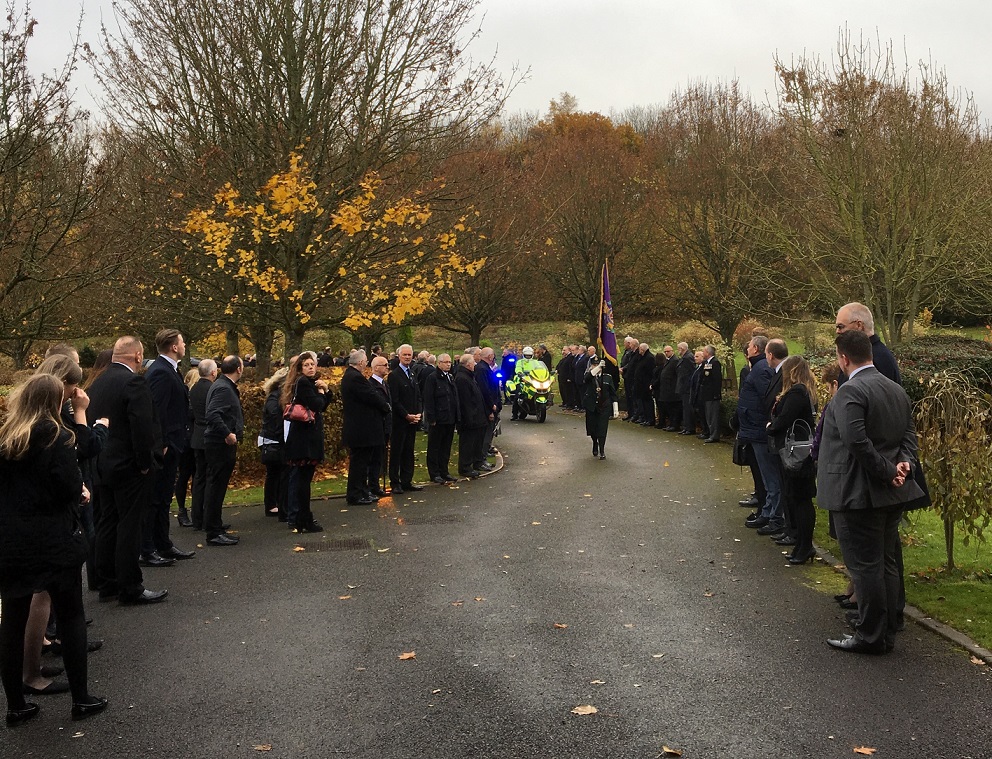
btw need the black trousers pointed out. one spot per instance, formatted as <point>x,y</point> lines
<point>155,530</point>
<point>67,603</point>
<point>439,439</point>
<point>300,478</point>
<point>759,483</point>
<point>276,486</point>
<point>199,487</point>
<point>220,466</point>
<point>402,442</point>
<point>688,418</point>
<point>377,463</point>
<point>118,534</point>
<point>469,444</point>
<point>868,540</point>
<point>359,462</point>
<point>187,468</point>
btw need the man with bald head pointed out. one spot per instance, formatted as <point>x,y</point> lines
<point>377,466</point>
<point>857,316</point>
<point>126,466</point>
<point>404,393</point>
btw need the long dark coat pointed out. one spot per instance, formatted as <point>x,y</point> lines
<point>362,409</point>
<point>598,396</point>
<point>305,441</point>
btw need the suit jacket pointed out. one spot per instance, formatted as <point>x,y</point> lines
<point>772,390</point>
<point>224,414</point>
<point>363,409</point>
<point>198,412</point>
<point>579,369</point>
<point>471,408</point>
<point>134,442</point>
<point>171,399</point>
<point>668,381</point>
<point>711,381</point>
<point>387,419</point>
<point>404,394</point>
<point>440,399</point>
<point>684,372</point>
<point>489,386</point>
<point>867,430</point>
<point>753,413</point>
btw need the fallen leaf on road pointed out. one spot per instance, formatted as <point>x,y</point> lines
<point>343,598</point>
<point>597,682</point>
<point>407,655</point>
<point>560,626</point>
<point>666,751</point>
<point>587,709</point>
<point>587,495</point>
<point>865,750</point>
<point>263,747</point>
<point>976,660</point>
<point>535,523</point>
<point>708,594</point>
<point>78,735</point>
<point>382,550</point>
<point>299,548</point>
<point>480,599</point>
<point>657,656</point>
<point>457,603</point>
<point>667,464</point>
<point>629,626</point>
<point>505,556</point>
<point>435,692</point>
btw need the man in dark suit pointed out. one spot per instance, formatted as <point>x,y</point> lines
<point>866,456</point>
<point>441,415</point>
<point>405,395</point>
<point>485,375</point>
<point>683,388</point>
<point>858,316</point>
<point>377,467</point>
<point>710,390</point>
<point>471,417</point>
<point>225,429</point>
<point>171,400</point>
<point>770,518</point>
<point>363,409</point>
<point>125,468</point>
<point>207,369</point>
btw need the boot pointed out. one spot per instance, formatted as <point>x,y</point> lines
<point>183,518</point>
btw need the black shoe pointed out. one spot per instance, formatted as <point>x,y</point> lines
<point>88,709</point>
<point>439,480</point>
<point>413,488</point>
<point>146,597</point>
<point>183,518</point>
<point>595,451</point>
<point>485,467</point>
<point>225,527</point>
<point>177,553</point>
<point>53,688</point>
<point>749,503</point>
<point>755,520</point>
<point>379,493</point>
<point>671,429</point>
<point>602,457</point>
<point>492,451</point>
<point>17,716</point>
<point>153,559</point>
<point>801,558</point>
<point>396,490</point>
<point>685,432</point>
<point>472,475</point>
<point>854,645</point>
<point>848,604</point>
<point>449,478</point>
<point>312,527</point>
<point>712,440</point>
<point>786,540</point>
<point>52,671</point>
<point>363,501</point>
<point>221,540</point>
<point>769,529</point>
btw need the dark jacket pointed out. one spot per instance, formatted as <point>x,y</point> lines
<point>642,375</point>
<point>39,501</point>
<point>440,399</point>
<point>882,359</point>
<point>305,441</point>
<point>668,382</point>
<point>387,419</point>
<point>171,399</point>
<point>134,442</point>
<point>362,409</point>
<point>794,405</point>
<point>471,411</point>
<point>684,370</point>
<point>224,414</point>
<point>404,392</point>
<point>272,411</point>
<point>579,368</point>
<point>422,374</point>
<point>752,412</point>
<point>198,412</point>
<point>489,386</point>
<point>711,381</point>
<point>599,396</point>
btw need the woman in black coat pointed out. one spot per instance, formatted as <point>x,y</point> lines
<point>42,545</point>
<point>270,445</point>
<point>304,445</point>
<point>796,402</point>
<point>599,399</point>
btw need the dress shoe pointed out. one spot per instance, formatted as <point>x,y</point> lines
<point>177,553</point>
<point>183,518</point>
<point>712,440</point>
<point>647,424</point>
<point>769,529</point>
<point>439,480</point>
<point>449,478</point>
<point>396,490</point>
<point>363,501</point>
<point>312,527</point>
<point>842,597</point>
<point>786,540</point>
<point>88,708</point>
<point>17,716</point>
<point>221,540</point>
<point>472,475</point>
<point>701,436</point>
<point>750,502</point>
<point>53,688</point>
<point>413,488</point>
<point>379,493</point>
<point>848,604</point>
<point>145,597</point>
<point>685,432</point>
<point>153,559</point>
<point>602,457</point>
<point>484,467</point>
<point>801,558</point>
<point>854,645</point>
<point>755,521</point>
<point>51,671</point>
<point>671,429</point>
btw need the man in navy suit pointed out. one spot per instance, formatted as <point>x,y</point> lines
<point>171,399</point>
<point>867,450</point>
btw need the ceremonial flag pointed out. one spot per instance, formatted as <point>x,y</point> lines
<point>607,340</point>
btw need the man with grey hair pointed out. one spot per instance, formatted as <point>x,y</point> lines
<point>710,390</point>
<point>207,369</point>
<point>404,393</point>
<point>857,316</point>
<point>471,418</point>
<point>225,429</point>
<point>485,376</point>
<point>683,388</point>
<point>441,415</point>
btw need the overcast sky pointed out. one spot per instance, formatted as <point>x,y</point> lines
<point>613,54</point>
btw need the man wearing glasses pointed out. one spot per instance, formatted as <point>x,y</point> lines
<point>857,316</point>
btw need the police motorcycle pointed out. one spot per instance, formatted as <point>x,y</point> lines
<point>529,389</point>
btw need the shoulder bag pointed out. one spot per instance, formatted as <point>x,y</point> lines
<point>798,444</point>
<point>297,412</point>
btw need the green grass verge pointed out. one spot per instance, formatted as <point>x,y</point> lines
<point>961,599</point>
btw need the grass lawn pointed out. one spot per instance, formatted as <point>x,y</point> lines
<point>961,599</point>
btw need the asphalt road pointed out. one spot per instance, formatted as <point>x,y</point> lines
<point>630,585</point>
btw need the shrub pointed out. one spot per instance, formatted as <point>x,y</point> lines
<point>745,331</point>
<point>696,334</point>
<point>87,356</point>
<point>919,360</point>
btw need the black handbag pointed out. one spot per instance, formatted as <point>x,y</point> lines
<point>270,453</point>
<point>797,448</point>
<point>741,457</point>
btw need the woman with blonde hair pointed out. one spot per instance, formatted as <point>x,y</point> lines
<point>42,546</point>
<point>796,403</point>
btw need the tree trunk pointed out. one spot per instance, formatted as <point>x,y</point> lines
<point>262,337</point>
<point>233,348</point>
<point>949,542</point>
<point>294,342</point>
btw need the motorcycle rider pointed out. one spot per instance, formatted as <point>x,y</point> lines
<point>524,365</point>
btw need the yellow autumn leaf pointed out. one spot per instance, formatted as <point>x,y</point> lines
<point>667,751</point>
<point>587,709</point>
<point>299,548</point>
<point>560,626</point>
<point>343,598</point>
<point>865,751</point>
<point>263,747</point>
<point>407,655</point>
